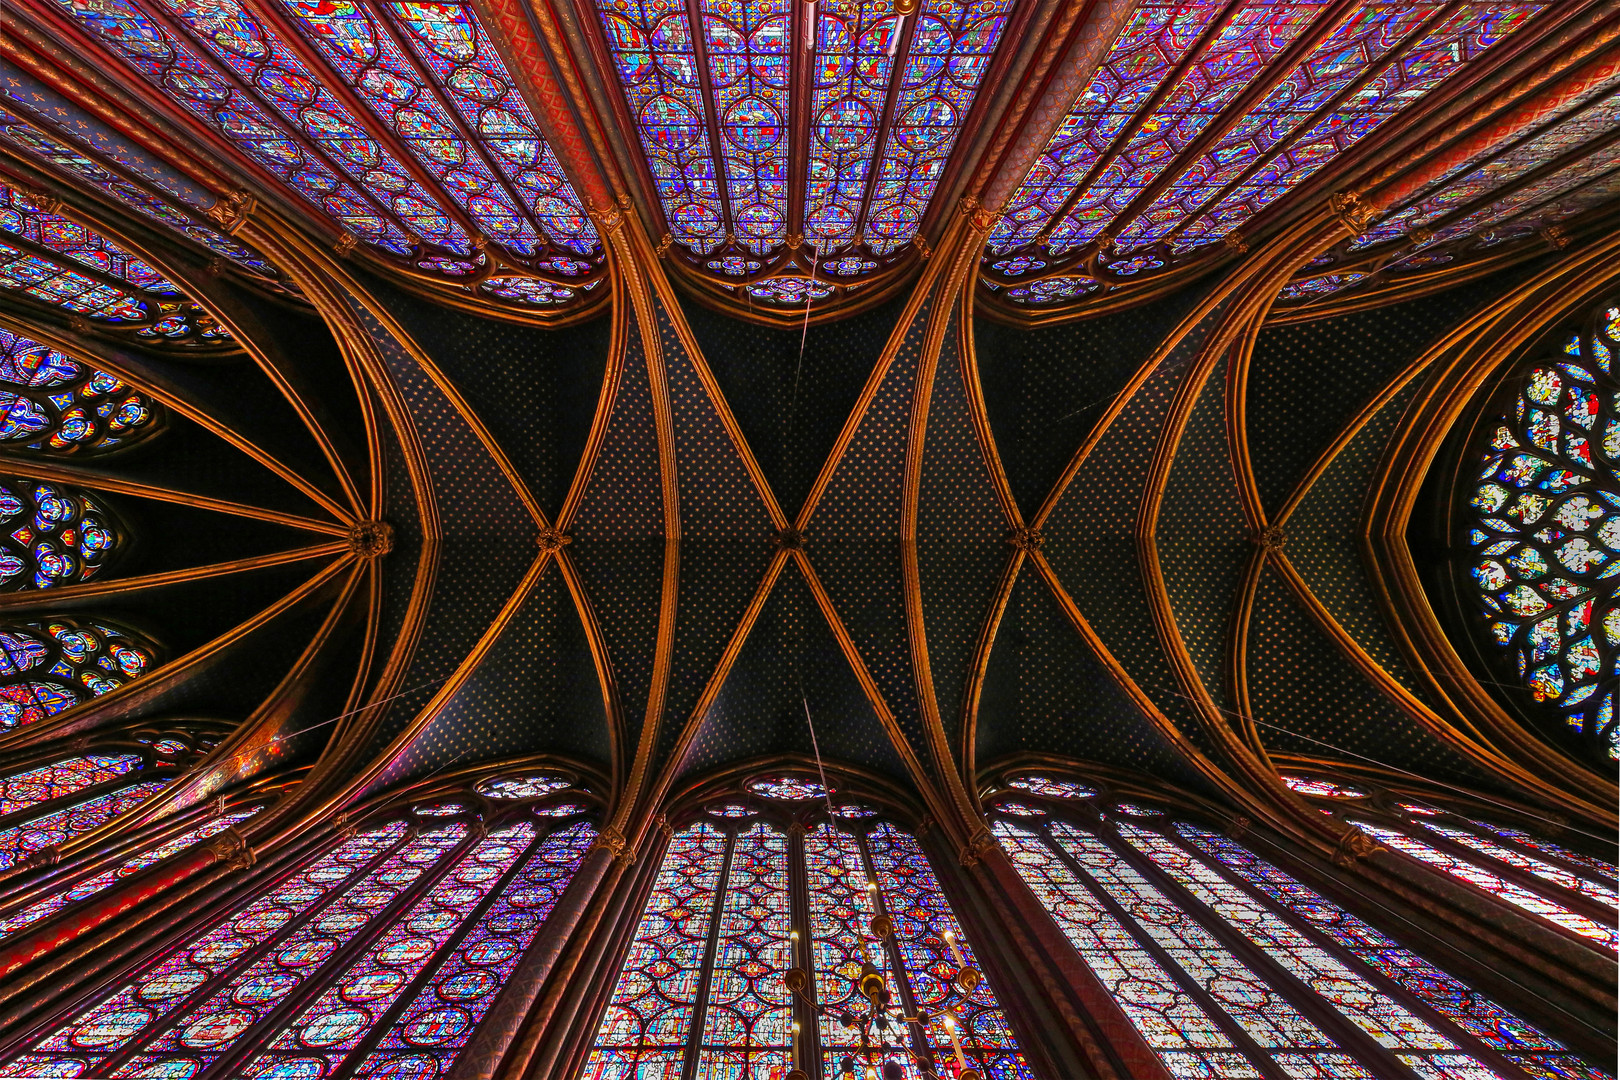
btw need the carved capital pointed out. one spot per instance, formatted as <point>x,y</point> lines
<point>1351,211</point>
<point>551,541</point>
<point>615,843</point>
<point>371,539</point>
<point>78,324</point>
<point>1235,241</point>
<point>979,216</point>
<point>344,827</point>
<point>1026,539</point>
<point>921,244</point>
<point>231,849</point>
<point>1353,845</point>
<point>795,241</point>
<point>663,245</point>
<point>345,244</point>
<point>609,219</point>
<point>232,210</point>
<point>1238,827</point>
<point>978,846</point>
<point>44,857</point>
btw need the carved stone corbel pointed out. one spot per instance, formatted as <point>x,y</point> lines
<point>345,244</point>
<point>978,846</point>
<point>1354,845</point>
<point>1352,212</point>
<point>231,849</point>
<point>232,210</point>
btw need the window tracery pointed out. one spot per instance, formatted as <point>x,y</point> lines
<point>712,106</point>
<point>398,120</point>
<point>1212,953</point>
<point>51,535</point>
<point>732,973</point>
<point>51,404</point>
<point>59,262</point>
<point>380,953</point>
<point>1566,888</point>
<point>55,664</point>
<point>1149,169</point>
<point>1543,521</point>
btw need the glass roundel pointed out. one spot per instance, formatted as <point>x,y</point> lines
<point>1052,789</point>
<point>50,535</point>
<point>54,664</point>
<point>1544,529</point>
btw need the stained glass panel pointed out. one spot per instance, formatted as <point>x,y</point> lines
<point>932,949</point>
<point>839,916</point>
<point>1494,883</point>
<point>790,788</point>
<point>522,787</point>
<point>1603,870</point>
<point>60,779</point>
<point>315,1042</point>
<point>49,666</point>
<point>1322,789</point>
<point>645,1029</point>
<point>1537,1053</point>
<point>138,1007</point>
<point>1293,1041</point>
<point>52,404</point>
<point>1557,875</point>
<point>424,1040</point>
<point>50,535</point>
<point>1544,523</point>
<point>1052,789</point>
<point>58,826</point>
<point>97,883</point>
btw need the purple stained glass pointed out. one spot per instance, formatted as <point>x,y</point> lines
<point>747,44</point>
<point>1537,1053</point>
<point>522,787</point>
<point>1188,1040</point>
<point>1051,788</point>
<point>839,916</point>
<point>50,905</point>
<point>180,70</point>
<point>60,779</point>
<point>789,291</point>
<point>56,827</point>
<point>932,949</point>
<point>316,1042</point>
<point>49,666</point>
<point>203,1032</point>
<point>1557,875</point>
<point>645,1029</point>
<point>1324,789</point>
<point>51,404</point>
<point>426,1037</point>
<point>51,535</point>
<point>138,1007</point>
<point>1603,871</point>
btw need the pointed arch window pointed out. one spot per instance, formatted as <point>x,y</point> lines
<point>52,535</point>
<point>1543,522</point>
<point>789,159</point>
<point>378,954</point>
<point>54,146</point>
<point>1202,115</point>
<point>748,957</point>
<point>398,119</point>
<point>1229,966</point>
<point>54,405</point>
<point>54,260</point>
<point>1575,892</point>
<point>54,664</point>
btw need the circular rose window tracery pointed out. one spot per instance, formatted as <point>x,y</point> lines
<point>1544,530</point>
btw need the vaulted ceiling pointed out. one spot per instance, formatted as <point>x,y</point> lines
<point>920,388</point>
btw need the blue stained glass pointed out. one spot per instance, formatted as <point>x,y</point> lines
<point>53,404</point>
<point>196,1038</point>
<point>932,949</point>
<point>316,1042</point>
<point>424,1041</point>
<point>59,826</point>
<point>840,913</point>
<point>98,883</point>
<point>67,158</point>
<point>153,996</point>
<point>179,71</point>
<point>1533,1051</point>
<point>747,44</point>
<point>50,536</point>
<point>46,782</point>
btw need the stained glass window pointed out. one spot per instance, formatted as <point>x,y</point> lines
<point>51,535</point>
<point>1543,521</point>
<point>791,788</point>
<point>706,974</point>
<point>521,787</point>
<point>426,150</point>
<point>57,148</point>
<point>56,827</point>
<point>1207,949</point>
<point>711,104</point>
<point>380,955</point>
<point>56,405</point>
<point>51,904</point>
<point>54,781</point>
<point>1323,789</point>
<point>54,664</point>
<point>59,262</point>
<point>1052,788</point>
<point>1160,156</point>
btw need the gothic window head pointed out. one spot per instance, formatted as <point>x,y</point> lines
<point>53,405</point>
<point>1543,531</point>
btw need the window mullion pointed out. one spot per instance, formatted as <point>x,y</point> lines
<point>431,966</point>
<point>1352,1039</point>
<point>1407,1000</point>
<point>1234,1031</point>
<point>711,120</point>
<point>1485,832</point>
<point>891,949</point>
<point>252,956</point>
<point>250,1042</point>
<point>809,1056</point>
<point>700,999</point>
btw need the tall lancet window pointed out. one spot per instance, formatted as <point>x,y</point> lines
<point>777,936</point>
<point>377,954</point>
<point>1570,890</point>
<point>1229,966</point>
